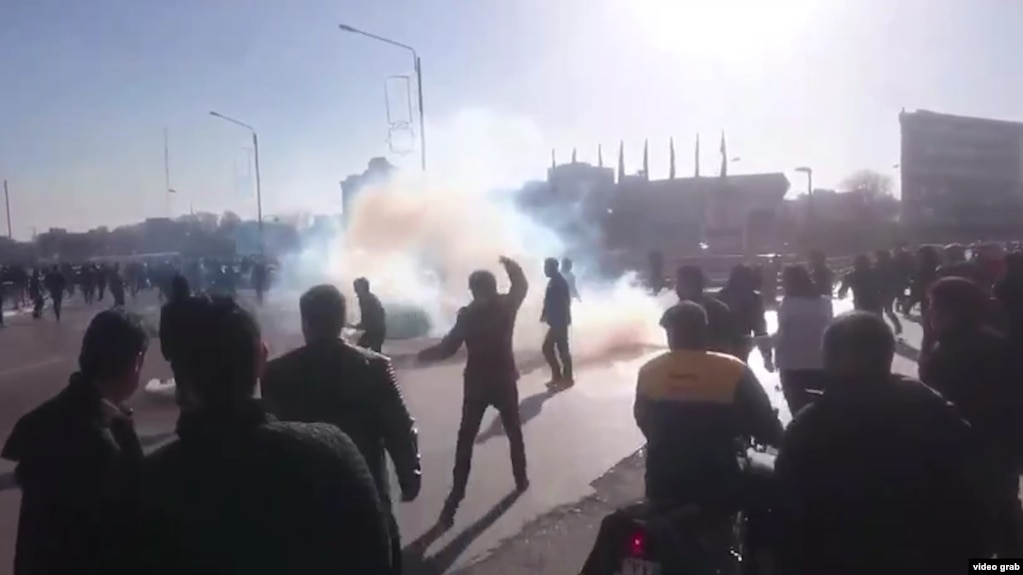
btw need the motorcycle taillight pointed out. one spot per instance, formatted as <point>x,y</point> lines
<point>637,543</point>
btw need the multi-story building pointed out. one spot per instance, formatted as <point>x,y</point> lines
<point>961,175</point>
<point>731,214</point>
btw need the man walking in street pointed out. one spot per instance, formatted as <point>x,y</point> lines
<point>557,314</point>
<point>372,317</point>
<point>331,381</point>
<point>239,491</point>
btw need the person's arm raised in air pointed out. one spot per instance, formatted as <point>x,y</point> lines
<point>399,429</point>
<point>448,346</point>
<point>756,413</point>
<point>519,284</point>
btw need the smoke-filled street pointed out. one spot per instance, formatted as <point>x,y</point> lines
<point>572,437</point>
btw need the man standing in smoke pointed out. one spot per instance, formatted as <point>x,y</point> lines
<point>557,314</point>
<point>486,327</point>
<point>566,270</point>
<point>372,317</point>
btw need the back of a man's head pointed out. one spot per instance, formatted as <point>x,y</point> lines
<point>686,326</point>
<point>221,356</point>
<point>689,281</point>
<point>858,346</point>
<point>957,302</point>
<point>323,310</point>
<point>179,288</point>
<point>113,345</point>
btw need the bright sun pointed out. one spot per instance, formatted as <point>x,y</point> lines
<point>727,29</point>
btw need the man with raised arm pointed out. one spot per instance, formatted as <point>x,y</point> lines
<point>485,326</point>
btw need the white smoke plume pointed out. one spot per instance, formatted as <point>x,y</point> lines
<point>417,241</point>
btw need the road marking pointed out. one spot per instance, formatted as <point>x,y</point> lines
<point>29,367</point>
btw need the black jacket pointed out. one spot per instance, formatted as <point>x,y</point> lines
<point>355,389</point>
<point>724,332</point>
<point>867,289</point>
<point>173,326</point>
<point>79,482</point>
<point>487,328</point>
<point>876,477</point>
<point>557,302</point>
<point>372,316</point>
<point>241,493</point>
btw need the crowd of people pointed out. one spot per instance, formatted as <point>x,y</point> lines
<point>33,286</point>
<point>294,481</point>
<point>280,466</point>
<point>877,472</point>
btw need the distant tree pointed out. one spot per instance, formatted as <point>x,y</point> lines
<point>874,189</point>
<point>207,221</point>
<point>868,183</point>
<point>229,221</point>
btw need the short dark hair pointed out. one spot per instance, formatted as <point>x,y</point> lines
<point>217,361</point>
<point>112,344</point>
<point>482,283</point>
<point>361,282</point>
<point>860,339</point>
<point>686,325</point>
<point>796,281</point>
<point>323,310</point>
<point>692,276</point>
<point>179,288</point>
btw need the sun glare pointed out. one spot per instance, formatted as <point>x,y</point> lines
<point>725,29</point>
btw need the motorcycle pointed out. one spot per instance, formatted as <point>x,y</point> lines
<point>647,538</point>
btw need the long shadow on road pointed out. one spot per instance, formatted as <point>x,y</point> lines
<point>414,559</point>
<point>529,408</point>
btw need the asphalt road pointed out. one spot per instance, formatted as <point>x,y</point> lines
<point>572,439</point>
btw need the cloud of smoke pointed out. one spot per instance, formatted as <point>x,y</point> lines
<point>418,240</point>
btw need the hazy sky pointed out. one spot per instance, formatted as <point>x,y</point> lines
<point>87,88</point>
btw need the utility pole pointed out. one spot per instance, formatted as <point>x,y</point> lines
<point>167,191</point>
<point>7,206</point>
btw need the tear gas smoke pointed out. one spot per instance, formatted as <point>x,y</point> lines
<point>417,242</point>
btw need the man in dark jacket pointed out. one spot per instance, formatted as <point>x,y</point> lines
<point>723,334</point>
<point>79,460</point>
<point>171,320</point>
<point>56,284</point>
<point>557,314</point>
<point>822,275</point>
<point>876,476</point>
<point>866,286</point>
<point>117,286</point>
<point>238,491</point>
<point>372,317</point>
<point>486,327</point>
<point>353,388</point>
<point>977,369</point>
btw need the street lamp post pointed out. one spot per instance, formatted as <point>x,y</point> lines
<point>417,65</point>
<point>259,187</point>
<point>7,208</point>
